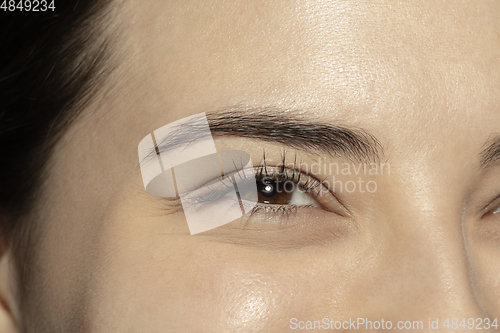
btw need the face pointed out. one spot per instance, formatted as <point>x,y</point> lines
<point>419,80</point>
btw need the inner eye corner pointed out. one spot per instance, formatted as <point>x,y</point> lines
<point>491,209</point>
<point>489,212</point>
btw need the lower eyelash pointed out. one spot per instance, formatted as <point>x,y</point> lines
<point>285,210</point>
<point>275,209</point>
<point>279,173</point>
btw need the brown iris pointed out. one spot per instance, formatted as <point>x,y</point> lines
<point>272,191</point>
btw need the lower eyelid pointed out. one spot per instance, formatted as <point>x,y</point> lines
<point>311,228</point>
<point>274,214</point>
<point>273,210</point>
<point>281,210</point>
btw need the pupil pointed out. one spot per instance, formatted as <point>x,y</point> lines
<point>268,190</point>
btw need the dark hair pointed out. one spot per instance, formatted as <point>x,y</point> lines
<point>51,65</point>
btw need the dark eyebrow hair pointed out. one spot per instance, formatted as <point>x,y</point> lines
<point>294,130</point>
<point>491,154</point>
<point>278,125</point>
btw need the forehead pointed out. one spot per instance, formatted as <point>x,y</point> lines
<point>343,59</point>
<point>423,77</point>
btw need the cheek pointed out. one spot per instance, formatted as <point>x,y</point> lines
<point>151,276</point>
<point>486,276</point>
<point>483,249</point>
<point>247,296</point>
<point>152,282</point>
<point>206,289</point>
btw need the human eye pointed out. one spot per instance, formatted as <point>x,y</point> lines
<point>276,195</point>
<point>283,191</point>
<point>493,208</point>
<point>496,209</point>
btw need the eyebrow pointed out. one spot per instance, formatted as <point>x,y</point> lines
<point>296,131</point>
<point>288,127</point>
<point>490,156</point>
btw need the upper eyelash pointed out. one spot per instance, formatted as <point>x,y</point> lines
<point>262,172</point>
<point>280,172</point>
<point>283,174</point>
<point>286,210</point>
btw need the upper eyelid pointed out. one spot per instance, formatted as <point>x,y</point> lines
<point>228,177</point>
<point>303,176</point>
<point>277,170</point>
<point>494,204</point>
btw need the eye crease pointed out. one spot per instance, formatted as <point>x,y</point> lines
<point>280,189</point>
<point>492,208</point>
<point>283,189</point>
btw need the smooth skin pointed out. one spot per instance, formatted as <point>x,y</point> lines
<point>422,76</point>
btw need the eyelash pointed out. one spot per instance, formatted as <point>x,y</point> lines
<point>282,174</point>
<point>304,182</point>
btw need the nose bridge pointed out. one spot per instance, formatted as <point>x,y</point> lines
<point>429,275</point>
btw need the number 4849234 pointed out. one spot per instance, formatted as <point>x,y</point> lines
<point>28,5</point>
<point>471,323</point>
